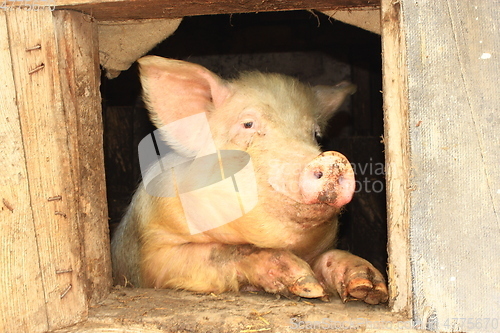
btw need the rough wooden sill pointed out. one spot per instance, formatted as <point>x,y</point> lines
<point>149,310</point>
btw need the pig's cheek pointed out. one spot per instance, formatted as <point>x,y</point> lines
<point>242,137</point>
<point>242,141</point>
<point>275,169</point>
<point>284,178</point>
<point>295,184</point>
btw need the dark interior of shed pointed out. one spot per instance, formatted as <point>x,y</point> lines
<point>304,44</point>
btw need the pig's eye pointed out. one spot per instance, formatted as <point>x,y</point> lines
<point>317,134</point>
<point>248,124</point>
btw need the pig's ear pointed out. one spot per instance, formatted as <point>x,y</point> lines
<point>331,98</point>
<point>175,89</point>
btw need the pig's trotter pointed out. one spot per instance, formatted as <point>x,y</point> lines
<point>352,277</point>
<point>279,272</point>
<point>307,286</point>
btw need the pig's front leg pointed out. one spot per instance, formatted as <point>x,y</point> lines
<point>214,267</point>
<point>352,277</point>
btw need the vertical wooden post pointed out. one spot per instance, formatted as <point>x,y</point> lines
<point>396,140</point>
<point>55,255</point>
<point>21,286</point>
<point>452,65</point>
<point>80,80</point>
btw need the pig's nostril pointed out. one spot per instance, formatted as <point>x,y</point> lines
<point>318,174</point>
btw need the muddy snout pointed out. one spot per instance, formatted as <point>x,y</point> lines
<point>329,179</point>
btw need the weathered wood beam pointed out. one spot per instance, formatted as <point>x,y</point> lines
<point>54,246</point>
<point>163,310</point>
<point>397,161</point>
<point>453,66</point>
<point>22,303</point>
<point>78,55</point>
<point>140,9</point>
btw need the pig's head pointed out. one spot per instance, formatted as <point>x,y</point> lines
<point>274,118</point>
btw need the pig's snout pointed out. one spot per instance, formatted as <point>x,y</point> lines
<point>329,179</point>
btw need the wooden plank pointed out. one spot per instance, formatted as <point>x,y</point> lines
<point>51,146</point>
<point>80,80</point>
<point>453,64</point>
<point>162,310</point>
<point>50,176</point>
<point>397,160</point>
<point>367,18</point>
<point>140,9</point>
<point>22,304</point>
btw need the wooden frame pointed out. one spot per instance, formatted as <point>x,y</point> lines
<point>441,137</point>
<point>81,29</point>
<point>397,158</point>
<point>80,34</point>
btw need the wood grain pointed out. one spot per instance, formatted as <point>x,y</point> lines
<point>80,80</point>
<point>21,285</point>
<point>397,161</point>
<point>453,67</point>
<point>56,254</point>
<point>45,136</point>
<point>163,310</point>
<point>140,9</point>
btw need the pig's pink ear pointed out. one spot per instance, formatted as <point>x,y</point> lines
<point>175,89</point>
<point>331,98</point>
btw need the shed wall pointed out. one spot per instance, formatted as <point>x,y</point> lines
<point>453,62</point>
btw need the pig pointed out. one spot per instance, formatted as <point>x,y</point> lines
<point>284,241</point>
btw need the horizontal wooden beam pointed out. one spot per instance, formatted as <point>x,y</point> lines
<point>145,311</point>
<point>141,9</point>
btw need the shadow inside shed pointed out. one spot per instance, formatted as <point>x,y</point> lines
<point>303,44</point>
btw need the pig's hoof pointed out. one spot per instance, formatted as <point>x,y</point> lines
<point>352,277</point>
<point>363,283</point>
<point>308,287</point>
<point>277,272</point>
